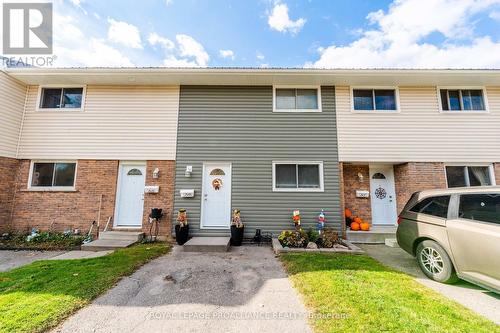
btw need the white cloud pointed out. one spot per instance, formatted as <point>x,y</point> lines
<point>155,39</point>
<point>169,2</point>
<point>124,33</point>
<point>189,47</point>
<point>76,2</point>
<point>227,54</point>
<point>184,52</point>
<point>72,47</point>
<point>398,38</point>
<point>495,15</point>
<point>260,56</point>
<point>280,21</point>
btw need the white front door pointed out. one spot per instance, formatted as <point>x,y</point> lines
<point>216,196</point>
<point>383,195</point>
<point>130,195</point>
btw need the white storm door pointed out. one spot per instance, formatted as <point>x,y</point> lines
<point>383,195</point>
<point>216,196</point>
<point>130,195</point>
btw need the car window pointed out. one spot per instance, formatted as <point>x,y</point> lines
<point>435,206</point>
<point>480,207</point>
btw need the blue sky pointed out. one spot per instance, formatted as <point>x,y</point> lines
<point>278,33</point>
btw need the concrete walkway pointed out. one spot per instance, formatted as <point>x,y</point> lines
<point>244,290</point>
<point>477,299</point>
<point>13,259</point>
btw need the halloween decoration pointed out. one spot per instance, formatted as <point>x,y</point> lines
<point>217,184</point>
<point>365,226</point>
<point>237,229</point>
<point>355,226</point>
<point>321,222</point>
<point>182,227</point>
<point>296,219</point>
<point>348,213</point>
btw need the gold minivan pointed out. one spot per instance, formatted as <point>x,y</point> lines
<point>454,233</point>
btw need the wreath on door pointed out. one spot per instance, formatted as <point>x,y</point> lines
<point>217,184</point>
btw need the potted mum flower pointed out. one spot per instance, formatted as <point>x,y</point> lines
<point>237,229</point>
<point>182,227</point>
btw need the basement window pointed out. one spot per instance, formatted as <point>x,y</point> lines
<point>61,98</point>
<point>298,176</point>
<point>52,175</point>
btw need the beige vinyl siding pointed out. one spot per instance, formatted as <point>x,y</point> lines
<point>117,122</point>
<point>12,97</point>
<point>419,133</point>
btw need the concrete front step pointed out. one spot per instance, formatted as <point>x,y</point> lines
<point>207,244</point>
<point>122,235</point>
<point>107,244</point>
<point>377,235</point>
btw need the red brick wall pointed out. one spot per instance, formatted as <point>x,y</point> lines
<point>8,170</point>
<point>61,210</point>
<point>359,206</point>
<point>497,173</point>
<point>412,177</point>
<point>164,199</point>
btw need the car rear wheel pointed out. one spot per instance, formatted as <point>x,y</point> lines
<point>435,263</point>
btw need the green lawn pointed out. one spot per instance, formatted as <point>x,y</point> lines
<point>373,297</point>
<point>38,296</point>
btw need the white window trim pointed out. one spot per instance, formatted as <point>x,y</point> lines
<point>52,188</point>
<point>62,86</point>
<point>318,89</point>
<point>321,180</point>
<point>490,166</point>
<point>396,95</point>
<point>440,102</point>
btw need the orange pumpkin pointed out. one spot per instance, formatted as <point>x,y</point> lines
<point>357,220</point>
<point>365,226</point>
<point>348,213</point>
<point>355,226</point>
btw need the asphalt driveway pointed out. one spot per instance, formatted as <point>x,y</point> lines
<point>477,299</point>
<point>245,290</point>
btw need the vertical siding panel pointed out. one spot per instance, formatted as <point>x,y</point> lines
<point>12,98</point>
<point>419,133</point>
<point>118,122</point>
<point>237,125</point>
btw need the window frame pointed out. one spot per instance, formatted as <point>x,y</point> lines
<point>460,88</point>
<point>377,111</point>
<point>321,176</point>
<point>490,166</point>
<point>52,188</point>
<point>60,86</point>
<point>318,90</point>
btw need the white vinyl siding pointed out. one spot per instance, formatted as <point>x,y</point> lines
<point>12,97</point>
<point>419,132</point>
<point>119,122</point>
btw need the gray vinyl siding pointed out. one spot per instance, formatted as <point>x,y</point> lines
<point>236,124</point>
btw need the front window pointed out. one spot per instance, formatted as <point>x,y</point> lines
<point>462,100</point>
<point>298,176</point>
<point>292,99</point>
<point>61,98</point>
<point>48,174</point>
<point>374,99</point>
<point>464,176</point>
<point>480,207</point>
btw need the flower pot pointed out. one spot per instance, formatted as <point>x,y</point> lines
<point>181,234</point>
<point>237,235</point>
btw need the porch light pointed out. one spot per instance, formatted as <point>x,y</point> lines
<point>156,173</point>
<point>360,177</point>
<point>189,171</point>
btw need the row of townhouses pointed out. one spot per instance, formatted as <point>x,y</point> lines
<point>82,144</point>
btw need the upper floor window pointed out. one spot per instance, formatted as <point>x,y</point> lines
<point>374,100</point>
<point>462,100</point>
<point>297,99</point>
<point>61,98</point>
<point>53,174</point>
<point>464,176</point>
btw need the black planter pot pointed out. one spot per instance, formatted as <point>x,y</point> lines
<point>237,235</point>
<point>181,234</point>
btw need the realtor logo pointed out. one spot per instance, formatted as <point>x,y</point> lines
<point>27,28</point>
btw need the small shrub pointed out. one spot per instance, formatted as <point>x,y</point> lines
<point>293,238</point>
<point>41,241</point>
<point>330,237</point>
<point>312,235</point>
